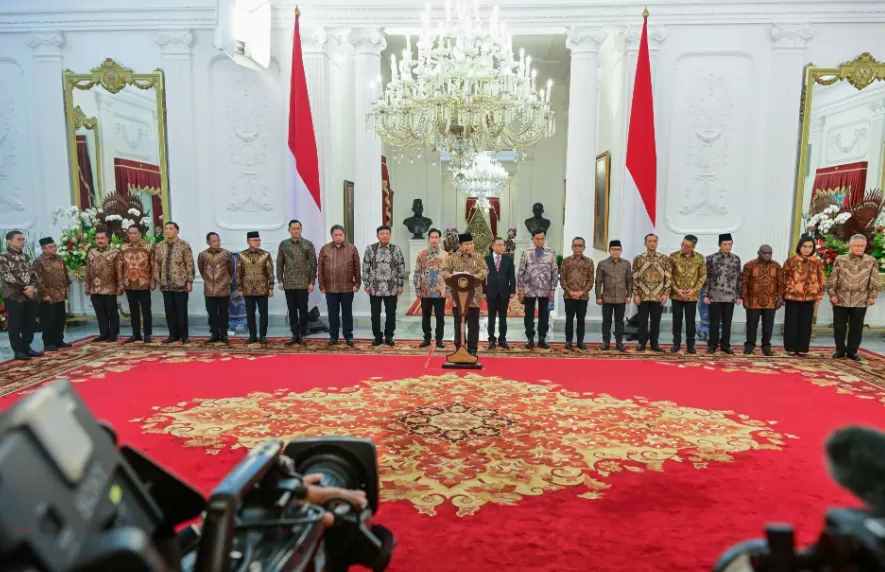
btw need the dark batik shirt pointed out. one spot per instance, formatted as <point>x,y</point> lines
<point>614,281</point>
<point>52,278</point>
<point>724,277</point>
<point>296,264</point>
<point>217,271</point>
<point>16,273</point>
<point>255,272</point>
<point>173,265</point>
<point>384,269</point>
<point>338,268</point>
<point>104,271</point>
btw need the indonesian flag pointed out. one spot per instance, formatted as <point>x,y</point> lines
<point>304,191</point>
<point>642,159</point>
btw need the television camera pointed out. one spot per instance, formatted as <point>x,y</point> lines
<point>71,501</point>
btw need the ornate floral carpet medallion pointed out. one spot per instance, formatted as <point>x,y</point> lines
<point>475,440</point>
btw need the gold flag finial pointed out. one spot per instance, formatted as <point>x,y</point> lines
<point>645,13</point>
<point>297,12</point>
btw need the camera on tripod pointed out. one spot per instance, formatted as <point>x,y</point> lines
<point>71,501</point>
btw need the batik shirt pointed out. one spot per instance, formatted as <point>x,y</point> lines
<point>16,273</point>
<point>384,269</point>
<point>138,266</point>
<point>338,268</point>
<point>52,278</point>
<point>255,272</point>
<point>538,273</point>
<point>724,276</point>
<point>576,275</point>
<point>802,279</point>
<point>427,277</point>
<point>761,284</point>
<point>688,273</point>
<point>614,281</point>
<point>104,271</point>
<point>173,265</point>
<point>854,280</point>
<point>473,263</point>
<point>217,271</point>
<point>652,276</point>
<point>296,264</point>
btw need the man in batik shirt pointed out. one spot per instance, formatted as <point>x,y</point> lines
<point>430,287</point>
<point>52,291</point>
<point>614,290</point>
<point>384,274</point>
<point>174,275</point>
<point>255,278</point>
<point>852,287</point>
<point>216,266</point>
<point>296,274</point>
<point>760,288</point>
<point>724,276</point>
<point>536,285</point>
<point>652,281</point>
<point>138,282</point>
<point>103,283</point>
<point>689,273</point>
<point>576,277</point>
<point>19,295</point>
<point>469,261</point>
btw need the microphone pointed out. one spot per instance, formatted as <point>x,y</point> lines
<point>856,457</point>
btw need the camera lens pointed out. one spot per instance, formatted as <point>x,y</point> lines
<point>336,471</point>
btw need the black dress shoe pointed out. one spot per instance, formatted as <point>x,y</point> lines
<point>854,357</point>
<point>472,352</point>
<point>185,340</point>
<point>568,345</point>
<point>99,339</point>
<point>542,343</point>
<point>224,340</point>
<point>33,353</point>
<point>390,342</point>
<point>656,348</point>
<point>262,340</point>
<point>767,352</point>
<point>620,345</point>
<point>211,340</point>
<point>376,342</point>
<point>503,345</point>
<point>302,341</point>
<point>333,342</point>
<point>64,345</point>
<point>22,356</point>
<point>838,355</point>
<point>292,341</point>
<point>492,344</point>
<point>111,340</point>
<point>675,349</point>
<point>748,351</point>
<point>50,348</point>
<point>169,340</point>
<point>530,344</point>
<point>251,340</point>
<point>348,341</point>
<point>605,345</point>
<point>424,344</point>
<point>691,350</point>
<point>640,348</point>
<point>132,339</point>
<point>728,351</point>
<point>582,346</point>
<point>147,339</point>
<point>711,351</point>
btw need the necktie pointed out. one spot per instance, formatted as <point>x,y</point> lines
<point>497,263</point>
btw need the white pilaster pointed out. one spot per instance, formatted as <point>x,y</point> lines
<point>181,156</point>
<point>787,63</point>
<point>877,134</point>
<point>635,221</point>
<point>52,178</point>
<point>580,157</point>
<point>523,203</point>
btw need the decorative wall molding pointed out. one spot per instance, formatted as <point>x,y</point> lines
<point>367,41</point>
<point>46,44</point>
<point>175,41</point>
<point>656,36</point>
<point>80,16</point>
<point>878,107</point>
<point>791,36</point>
<point>13,210</point>
<point>848,142</point>
<point>584,40</point>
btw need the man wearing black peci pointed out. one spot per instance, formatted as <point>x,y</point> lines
<point>499,288</point>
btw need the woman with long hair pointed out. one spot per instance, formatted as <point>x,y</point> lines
<point>802,288</point>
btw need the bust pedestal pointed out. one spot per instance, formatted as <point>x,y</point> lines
<point>416,245</point>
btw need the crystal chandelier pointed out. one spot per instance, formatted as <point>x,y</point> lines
<point>485,179</point>
<point>465,89</point>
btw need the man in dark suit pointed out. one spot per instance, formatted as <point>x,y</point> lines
<point>500,287</point>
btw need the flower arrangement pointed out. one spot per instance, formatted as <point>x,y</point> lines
<point>511,232</point>
<point>4,315</point>
<point>879,246</point>
<point>833,219</point>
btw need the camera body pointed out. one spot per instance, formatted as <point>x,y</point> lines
<point>71,501</point>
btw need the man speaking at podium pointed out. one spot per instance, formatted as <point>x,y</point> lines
<point>467,261</point>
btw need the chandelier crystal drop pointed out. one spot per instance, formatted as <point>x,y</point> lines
<point>485,179</point>
<point>465,89</point>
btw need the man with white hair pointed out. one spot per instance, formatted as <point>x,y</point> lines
<point>852,287</point>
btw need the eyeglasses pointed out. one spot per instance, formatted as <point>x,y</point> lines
<point>577,246</point>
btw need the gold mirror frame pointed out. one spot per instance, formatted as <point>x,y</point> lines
<point>113,77</point>
<point>91,124</point>
<point>860,73</point>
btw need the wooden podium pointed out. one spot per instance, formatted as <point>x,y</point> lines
<point>462,286</point>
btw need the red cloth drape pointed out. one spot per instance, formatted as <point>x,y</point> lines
<point>494,212</point>
<point>386,194</point>
<point>135,176</point>
<point>853,175</point>
<point>84,171</point>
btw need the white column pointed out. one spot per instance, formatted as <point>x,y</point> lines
<point>787,62</point>
<point>522,208</point>
<point>635,221</point>
<point>580,157</point>
<point>181,155</point>
<point>52,178</point>
<point>368,43</point>
<point>877,134</point>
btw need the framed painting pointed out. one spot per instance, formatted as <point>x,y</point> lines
<point>348,211</point>
<point>601,196</point>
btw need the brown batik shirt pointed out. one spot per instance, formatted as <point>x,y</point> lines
<point>104,271</point>
<point>854,280</point>
<point>138,266</point>
<point>614,281</point>
<point>338,268</point>
<point>576,275</point>
<point>217,270</point>
<point>761,284</point>
<point>173,265</point>
<point>52,278</point>
<point>475,264</point>
<point>802,279</point>
<point>16,273</point>
<point>687,273</point>
<point>652,276</point>
<point>255,272</point>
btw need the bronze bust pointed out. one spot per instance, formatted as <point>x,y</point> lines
<point>418,224</point>
<point>537,222</point>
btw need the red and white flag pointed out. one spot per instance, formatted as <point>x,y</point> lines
<point>305,203</point>
<point>642,159</point>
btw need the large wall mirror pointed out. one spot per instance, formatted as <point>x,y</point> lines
<point>842,150</point>
<point>116,130</point>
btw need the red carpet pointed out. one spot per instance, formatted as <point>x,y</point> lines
<point>515,309</point>
<point>533,464</point>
